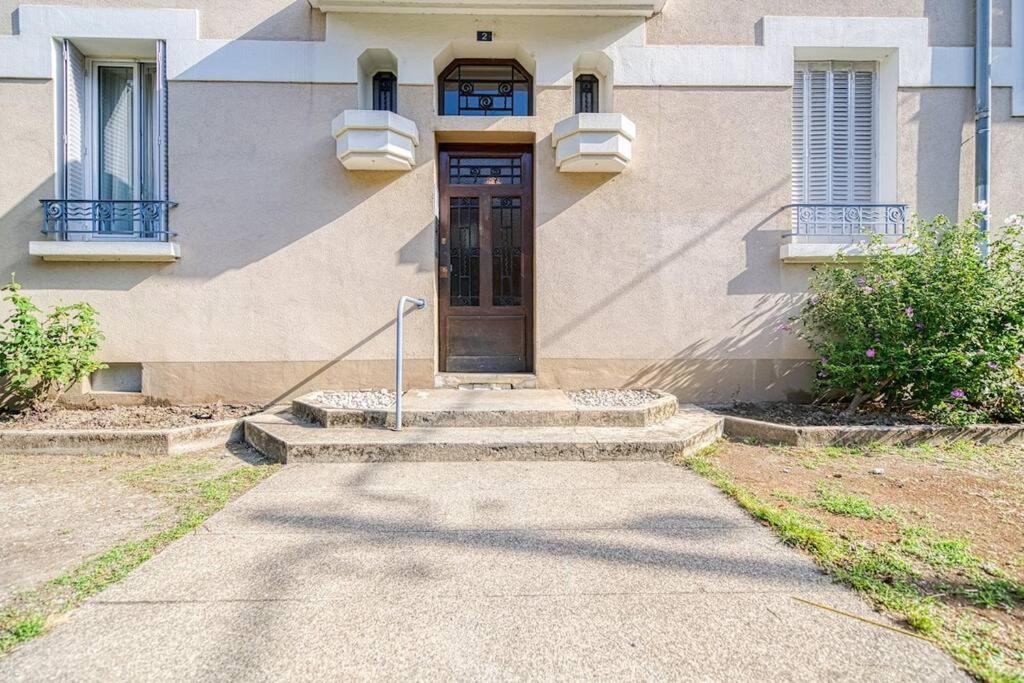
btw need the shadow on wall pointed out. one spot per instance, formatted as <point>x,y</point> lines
<point>941,157</point>
<point>669,259</point>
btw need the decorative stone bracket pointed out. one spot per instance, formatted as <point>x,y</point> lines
<point>375,140</point>
<point>593,143</point>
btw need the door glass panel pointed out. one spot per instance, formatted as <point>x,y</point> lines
<point>464,222</point>
<point>116,146</point>
<point>507,250</point>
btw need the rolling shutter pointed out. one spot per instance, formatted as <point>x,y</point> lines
<point>833,133</point>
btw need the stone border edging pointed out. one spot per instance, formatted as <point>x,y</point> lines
<point>148,442</point>
<point>863,435</point>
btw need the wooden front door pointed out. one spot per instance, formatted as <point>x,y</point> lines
<point>485,264</point>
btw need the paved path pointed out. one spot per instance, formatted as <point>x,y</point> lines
<point>472,571</point>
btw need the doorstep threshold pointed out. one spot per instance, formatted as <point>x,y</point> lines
<point>485,380</point>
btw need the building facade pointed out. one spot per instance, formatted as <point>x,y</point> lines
<point>601,194</point>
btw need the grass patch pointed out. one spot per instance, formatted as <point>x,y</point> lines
<point>833,499</point>
<point>919,577</point>
<point>196,491</point>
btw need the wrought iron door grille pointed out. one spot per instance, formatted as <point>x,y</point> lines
<point>507,250</point>
<point>464,277</point>
<point>849,220</point>
<point>109,218</point>
<point>485,171</point>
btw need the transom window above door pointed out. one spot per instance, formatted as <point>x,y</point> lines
<point>485,87</point>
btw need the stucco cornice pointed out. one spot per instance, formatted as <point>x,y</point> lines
<point>591,8</point>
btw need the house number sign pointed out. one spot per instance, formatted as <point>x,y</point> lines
<point>484,36</point>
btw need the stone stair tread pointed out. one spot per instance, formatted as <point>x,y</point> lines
<point>287,438</point>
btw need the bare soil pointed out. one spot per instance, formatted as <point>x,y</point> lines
<point>962,492</point>
<point>808,415</point>
<point>976,493</point>
<point>126,417</point>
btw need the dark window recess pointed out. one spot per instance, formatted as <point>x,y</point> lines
<point>485,88</point>
<point>385,91</point>
<point>586,94</point>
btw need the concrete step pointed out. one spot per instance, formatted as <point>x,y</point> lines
<point>289,439</point>
<point>485,380</point>
<point>524,408</point>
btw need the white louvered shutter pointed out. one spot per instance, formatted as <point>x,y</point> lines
<point>833,133</point>
<point>864,126</point>
<point>73,124</point>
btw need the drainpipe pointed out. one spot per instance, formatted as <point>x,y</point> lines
<point>982,110</point>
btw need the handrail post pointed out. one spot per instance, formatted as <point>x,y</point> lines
<point>420,304</point>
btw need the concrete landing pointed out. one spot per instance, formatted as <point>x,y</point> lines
<point>290,440</point>
<point>521,408</point>
<point>477,571</point>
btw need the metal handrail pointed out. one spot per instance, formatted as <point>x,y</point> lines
<point>420,304</point>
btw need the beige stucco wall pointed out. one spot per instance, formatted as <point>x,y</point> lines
<point>735,22</point>
<point>666,275</point>
<point>225,19</point>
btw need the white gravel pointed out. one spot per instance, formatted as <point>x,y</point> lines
<point>376,399</point>
<point>612,398</point>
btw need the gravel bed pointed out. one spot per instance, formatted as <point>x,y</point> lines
<point>807,415</point>
<point>126,417</point>
<point>612,398</point>
<point>376,399</point>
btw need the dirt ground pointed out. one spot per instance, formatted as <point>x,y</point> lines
<point>126,417</point>
<point>60,510</point>
<point>936,528</point>
<point>808,415</point>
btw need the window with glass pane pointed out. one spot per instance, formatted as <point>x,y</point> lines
<point>127,120</point>
<point>495,88</point>
<point>116,142</point>
<point>385,91</point>
<point>586,94</point>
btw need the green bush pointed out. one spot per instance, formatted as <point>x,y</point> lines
<point>41,356</point>
<point>939,330</point>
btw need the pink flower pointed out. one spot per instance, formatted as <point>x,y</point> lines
<point>783,328</point>
<point>958,393</point>
<point>868,290</point>
<point>909,310</point>
<point>993,365</point>
<point>824,360</point>
<point>870,353</point>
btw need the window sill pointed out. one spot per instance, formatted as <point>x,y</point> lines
<point>804,252</point>
<point>104,250</point>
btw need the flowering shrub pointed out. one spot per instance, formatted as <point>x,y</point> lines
<point>940,330</point>
<point>41,356</point>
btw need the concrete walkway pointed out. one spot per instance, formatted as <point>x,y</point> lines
<point>612,570</point>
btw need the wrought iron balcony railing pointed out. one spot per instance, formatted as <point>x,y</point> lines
<point>146,219</point>
<point>849,220</point>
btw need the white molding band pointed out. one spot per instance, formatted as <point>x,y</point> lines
<point>555,42</point>
<point>604,8</point>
